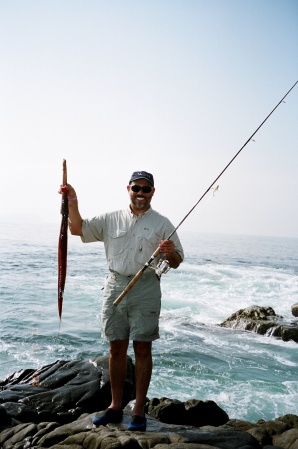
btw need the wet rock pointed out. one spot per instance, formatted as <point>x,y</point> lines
<point>269,446</point>
<point>80,434</point>
<point>172,424</point>
<point>5,419</point>
<point>19,410</point>
<point>261,435</point>
<point>192,412</point>
<point>294,309</point>
<point>264,321</point>
<point>61,391</point>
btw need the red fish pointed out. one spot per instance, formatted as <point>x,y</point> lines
<point>62,245</point>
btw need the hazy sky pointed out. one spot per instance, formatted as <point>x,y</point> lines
<point>174,87</point>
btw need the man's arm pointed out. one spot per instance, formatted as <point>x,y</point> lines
<point>74,218</point>
<point>174,259</point>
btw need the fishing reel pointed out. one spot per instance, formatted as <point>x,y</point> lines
<point>162,267</point>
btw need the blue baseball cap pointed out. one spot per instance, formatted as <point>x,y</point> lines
<point>142,175</point>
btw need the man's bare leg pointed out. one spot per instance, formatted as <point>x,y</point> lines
<point>117,369</point>
<point>143,371</point>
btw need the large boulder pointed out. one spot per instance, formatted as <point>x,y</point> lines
<point>192,412</point>
<point>294,309</point>
<point>61,391</point>
<point>264,321</point>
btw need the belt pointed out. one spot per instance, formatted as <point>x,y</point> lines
<point>145,273</point>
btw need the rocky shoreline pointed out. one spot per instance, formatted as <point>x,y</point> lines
<point>79,434</point>
<point>53,408</point>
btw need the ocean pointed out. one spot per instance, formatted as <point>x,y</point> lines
<point>250,376</point>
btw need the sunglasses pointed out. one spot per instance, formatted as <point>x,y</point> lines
<point>146,189</point>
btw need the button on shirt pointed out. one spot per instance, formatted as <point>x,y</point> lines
<point>129,240</point>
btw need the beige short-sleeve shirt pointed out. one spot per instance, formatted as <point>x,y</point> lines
<point>129,240</point>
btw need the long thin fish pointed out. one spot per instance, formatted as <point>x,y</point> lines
<point>62,245</point>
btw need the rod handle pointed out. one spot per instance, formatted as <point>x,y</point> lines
<point>135,278</point>
<point>128,287</point>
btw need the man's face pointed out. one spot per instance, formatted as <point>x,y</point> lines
<point>140,201</point>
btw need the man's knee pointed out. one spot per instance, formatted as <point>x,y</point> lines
<point>118,348</point>
<point>142,349</point>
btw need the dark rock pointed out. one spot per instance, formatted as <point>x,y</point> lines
<point>286,332</point>
<point>20,411</point>
<point>61,391</point>
<point>264,321</point>
<point>166,410</point>
<point>273,427</point>
<point>272,447</point>
<point>239,424</point>
<point>80,434</point>
<point>294,309</point>
<point>250,317</point>
<point>202,413</point>
<point>71,386</point>
<point>290,420</point>
<point>261,435</point>
<point>279,425</point>
<point>192,412</point>
<point>18,376</point>
<point>5,419</point>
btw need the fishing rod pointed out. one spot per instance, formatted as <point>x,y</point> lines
<point>157,251</point>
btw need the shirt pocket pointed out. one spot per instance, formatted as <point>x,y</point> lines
<point>146,247</point>
<point>117,241</point>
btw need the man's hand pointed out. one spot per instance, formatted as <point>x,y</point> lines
<point>71,193</point>
<point>74,216</point>
<point>167,246</point>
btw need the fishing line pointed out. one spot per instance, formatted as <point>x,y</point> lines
<point>227,166</point>
<point>163,265</point>
<point>147,264</point>
<point>215,190</point>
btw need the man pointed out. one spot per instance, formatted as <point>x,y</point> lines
<point>130,238</point>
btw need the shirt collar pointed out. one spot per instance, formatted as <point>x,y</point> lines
<point>140,215</point>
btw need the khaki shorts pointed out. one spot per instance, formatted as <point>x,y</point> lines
<point>136,317</point>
